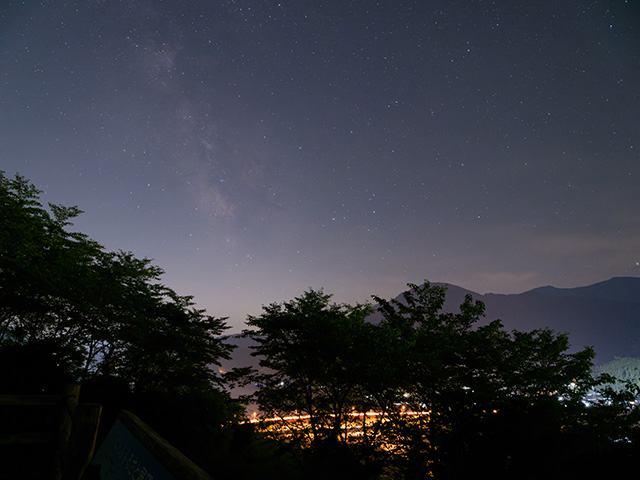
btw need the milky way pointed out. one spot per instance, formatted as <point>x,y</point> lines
<point>254,149</point>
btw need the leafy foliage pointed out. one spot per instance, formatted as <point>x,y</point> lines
<point>310,348</point>
<point>451,397</point>
<point>105,312</point>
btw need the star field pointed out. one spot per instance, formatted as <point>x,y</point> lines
<point>257,148</point>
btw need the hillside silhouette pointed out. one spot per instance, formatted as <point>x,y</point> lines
<point>605,315</point>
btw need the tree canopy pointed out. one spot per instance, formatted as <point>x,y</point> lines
<point>309,348</point>
<point>99,313</point>
<point>425,392</point>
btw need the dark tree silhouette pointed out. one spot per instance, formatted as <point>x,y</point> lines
<point>100,313</point>
<point>451,397</point>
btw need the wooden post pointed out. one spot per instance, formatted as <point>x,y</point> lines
<point>69,402</point>
<point>83,439</point>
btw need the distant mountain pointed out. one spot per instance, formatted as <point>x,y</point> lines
<point>605,315</point>
<point>619,289</point>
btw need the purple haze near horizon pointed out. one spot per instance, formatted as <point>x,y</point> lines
<point>254,149</point>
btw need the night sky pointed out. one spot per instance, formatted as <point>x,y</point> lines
<point>255,148</point>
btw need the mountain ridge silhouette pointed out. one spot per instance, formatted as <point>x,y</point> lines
<point>605,316</point>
